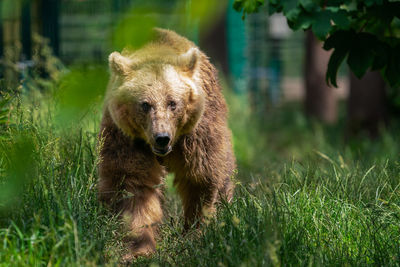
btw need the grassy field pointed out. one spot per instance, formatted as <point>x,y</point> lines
<point>303,196</point>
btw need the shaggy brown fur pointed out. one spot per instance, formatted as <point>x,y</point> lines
<point>168,87</point>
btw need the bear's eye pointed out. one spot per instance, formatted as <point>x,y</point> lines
<point>145,107</point>
<point>172,105</point>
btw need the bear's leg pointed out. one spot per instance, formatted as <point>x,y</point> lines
<point>109,192</point>
<point>198,201</point>
<point>226,191</point>
<point>141,212</point>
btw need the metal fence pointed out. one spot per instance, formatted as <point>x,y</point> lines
<point>82,31</point>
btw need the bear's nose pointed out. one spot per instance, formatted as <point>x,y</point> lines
<point>162,139</point>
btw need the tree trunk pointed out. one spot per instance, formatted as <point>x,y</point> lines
<point>367,104</point>
<point>26,30</point>
<point>320,99</point>
<point>50,13</point>
<point>214,42</point>
<point>12,45</point>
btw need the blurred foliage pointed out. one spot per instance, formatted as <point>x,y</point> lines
<point>4,112</point>
<point>206,12</point>
<point>20,168</point>
<point>40,73</point>
<point>80,89</point>
<point>46,66</point>
<point>48,203</point>
<point>367,33</point>
<point>134,28</point>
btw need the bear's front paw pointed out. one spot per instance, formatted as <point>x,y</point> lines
<point>142,246</point>
<point>142,251</point>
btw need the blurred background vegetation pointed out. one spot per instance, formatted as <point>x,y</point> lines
<point>318,167</point>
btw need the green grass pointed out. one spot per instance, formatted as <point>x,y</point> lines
<point>303,196</point>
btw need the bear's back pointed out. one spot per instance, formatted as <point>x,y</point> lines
<point>173,40</point>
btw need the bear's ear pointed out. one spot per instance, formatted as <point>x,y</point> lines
<point>119,64</point>
<point>194,109</point>
<point>188,61</point>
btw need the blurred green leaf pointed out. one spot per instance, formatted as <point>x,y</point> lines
<point>207,12</point>
<point>4,110</point>
<point>334,63</point>
<point>341,19</point>
<point>373,2</point>
<point>80,88</point>
<point>247,6</point>
<point>308,5</point>
<point>135,28</point>
<point>392,69</point>
<point>303,21</point>
<point>381,57</point>
<point>361,54</point>
<point>322,24</point>
<point>20,170</point>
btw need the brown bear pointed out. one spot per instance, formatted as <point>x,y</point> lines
<point>163,112</point>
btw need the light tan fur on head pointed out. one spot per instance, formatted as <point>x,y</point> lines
<point>155,91</point>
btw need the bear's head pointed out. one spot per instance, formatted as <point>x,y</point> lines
<point>156,95</point>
